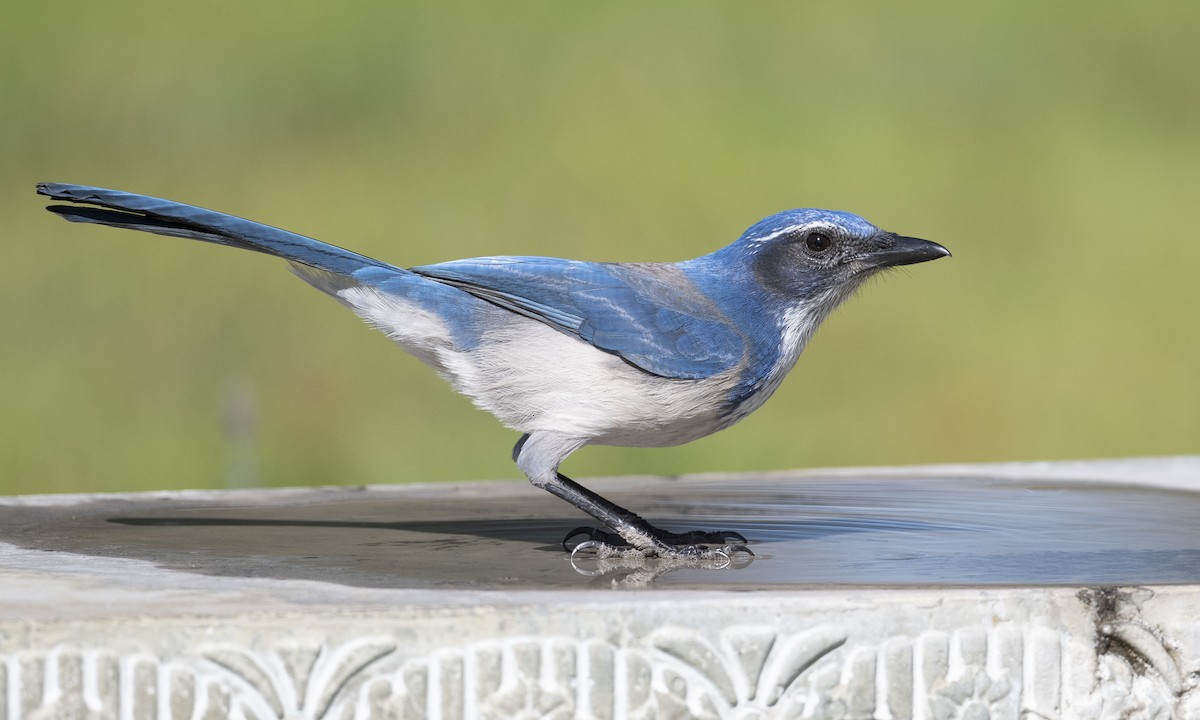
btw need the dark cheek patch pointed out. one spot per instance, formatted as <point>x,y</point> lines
<point>786,270</point>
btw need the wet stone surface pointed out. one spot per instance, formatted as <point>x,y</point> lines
<point>806,530</point>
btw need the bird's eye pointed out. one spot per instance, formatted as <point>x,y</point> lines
<point>818,242</point>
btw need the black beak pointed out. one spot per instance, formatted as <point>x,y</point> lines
<point>905,251</point>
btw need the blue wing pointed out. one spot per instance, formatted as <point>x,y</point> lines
<point>649,314</point>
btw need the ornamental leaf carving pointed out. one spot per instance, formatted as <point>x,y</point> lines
<point>752,667</point>
<point>297,682</point>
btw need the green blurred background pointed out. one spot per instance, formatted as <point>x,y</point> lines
<point>1054,147</point>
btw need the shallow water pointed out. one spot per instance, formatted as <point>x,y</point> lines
<point>804,532</point>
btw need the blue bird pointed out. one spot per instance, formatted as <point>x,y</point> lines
<point>572,353</point>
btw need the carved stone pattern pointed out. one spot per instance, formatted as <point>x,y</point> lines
<point>747,671</point>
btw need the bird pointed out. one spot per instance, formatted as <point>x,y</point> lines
<point>571,353</point>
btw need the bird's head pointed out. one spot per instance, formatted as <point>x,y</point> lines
<point>811,254</point>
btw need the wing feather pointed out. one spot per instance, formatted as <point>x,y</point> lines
<point>650,315</point>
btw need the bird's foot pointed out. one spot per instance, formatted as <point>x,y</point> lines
<point>695,544</point>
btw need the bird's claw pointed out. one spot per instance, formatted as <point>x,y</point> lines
<point>696,544</point>
<point>592,537</point>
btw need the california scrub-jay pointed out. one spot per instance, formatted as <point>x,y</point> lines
<point>571,353</point>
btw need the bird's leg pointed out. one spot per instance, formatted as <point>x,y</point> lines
<point>629,527</point>
<point>539,455</point>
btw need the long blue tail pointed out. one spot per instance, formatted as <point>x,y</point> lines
<point>166,217</point>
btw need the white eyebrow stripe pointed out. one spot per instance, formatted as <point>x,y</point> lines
<point>791,228</point>
<point>777,233</point>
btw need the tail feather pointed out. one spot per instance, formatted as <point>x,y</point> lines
<point>166,217</point>
<point>425,317</point>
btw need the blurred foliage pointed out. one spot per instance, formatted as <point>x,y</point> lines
<point>1054,147</point>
